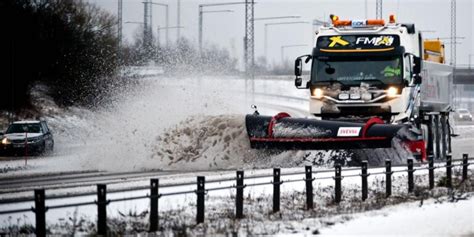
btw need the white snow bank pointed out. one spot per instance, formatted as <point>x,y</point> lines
<point>411,219</point>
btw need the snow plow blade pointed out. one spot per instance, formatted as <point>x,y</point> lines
<point>283,132</point>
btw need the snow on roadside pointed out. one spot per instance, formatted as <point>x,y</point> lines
<point>432,218</point>
<point>294,219</point>
<point>177,213</point>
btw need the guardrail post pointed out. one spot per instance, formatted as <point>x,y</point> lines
<point>40,213</point>
<point>200,199</point>
<point>431,171</point>
<point>429,123</point>
<point>338,179</point>
<point>444,136</point>
<point>411,183</point>
<point>449,182</point>
<point>388,178</point>
<point>154,205</point>
<point>309,187</point>
<point>101,209</point>
<point>276,189</point>
<point>437,137</point>
<point>464,166</point>
<point>364,180</point>
<point>239,196</point>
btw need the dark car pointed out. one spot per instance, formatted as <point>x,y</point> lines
<point>27,137</point>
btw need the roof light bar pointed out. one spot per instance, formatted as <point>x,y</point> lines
<point>359,23</point>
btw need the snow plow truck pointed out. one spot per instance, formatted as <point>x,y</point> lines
<point>372,85</point>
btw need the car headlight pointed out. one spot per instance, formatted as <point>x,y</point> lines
<point>6,141</point>
<point>392,91</point>
<point>317,92</point>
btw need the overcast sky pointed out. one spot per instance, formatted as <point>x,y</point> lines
<point>227,29</point>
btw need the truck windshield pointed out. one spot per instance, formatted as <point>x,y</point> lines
<point>354,70</point>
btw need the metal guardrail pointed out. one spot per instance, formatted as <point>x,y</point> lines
<point>146,187</point>
<point>40,208</point>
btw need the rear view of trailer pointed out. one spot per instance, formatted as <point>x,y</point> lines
<point>436,104</point>
<point>437,87</point>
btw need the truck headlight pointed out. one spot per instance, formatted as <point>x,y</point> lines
<point>6,141</point>
<point>317,93</point>
<point>392,91</point>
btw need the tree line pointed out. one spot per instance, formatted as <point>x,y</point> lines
<point>69,45</point>
<point>72,47</point>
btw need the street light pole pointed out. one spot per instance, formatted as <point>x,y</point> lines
<point>166,28</point>
<point>178,22</point>
<point>119,23</point>
<point>201,12</point>
<point>274,18</point>
<point>289,46</point>
<point>144,30</point>
<point>277,23</point>
<point>200,28</point>
<point>201,6</point>
<point>166,16</point>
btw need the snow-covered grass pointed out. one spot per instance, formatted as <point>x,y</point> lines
<point>177,213</point>
<point>433,217</point>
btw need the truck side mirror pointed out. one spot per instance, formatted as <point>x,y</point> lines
<point>417,79</point>
<point>299,71</point>
<point>298,67</point>
<point>298,82</point>
<point>417,65</point>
